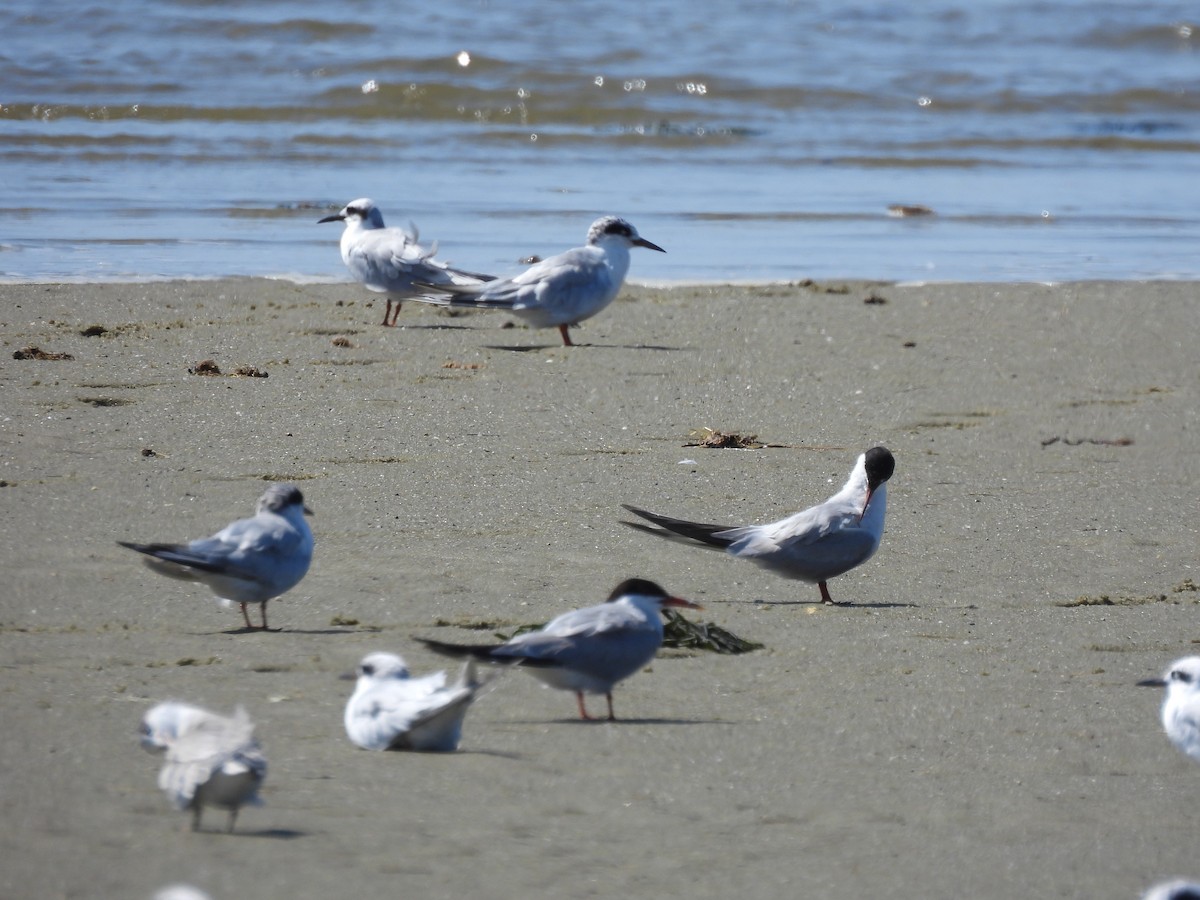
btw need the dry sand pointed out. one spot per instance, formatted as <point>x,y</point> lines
<point>960,730</point>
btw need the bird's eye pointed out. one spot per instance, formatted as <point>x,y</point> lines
<point>367,670</point>
<point>1180,675</point>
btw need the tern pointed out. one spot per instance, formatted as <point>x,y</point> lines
<point>391,711</point>
<point>249,561</point>
<point>814,545</point>
<point>391,260</point>
<point>560,291</point>
<point>1181,707</point>
<point>211,760</point>
<point>587,650</point>
<point>1179,889</point>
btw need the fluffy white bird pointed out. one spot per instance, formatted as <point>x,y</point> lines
<point>588,650</point>
<point>1181,706</point>
<point>560,291</point>
<point>391,260</point>
<point>814,545</point>
<point>249,561</point>
<point>210,760</point>
<point>390,710</point>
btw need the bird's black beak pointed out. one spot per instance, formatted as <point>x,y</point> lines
<point>870,494</point>
<point>348,676</point>
<point>642,242</point>
<point>308,512</point>
<point>1152,682</point>
<point>336,217</point>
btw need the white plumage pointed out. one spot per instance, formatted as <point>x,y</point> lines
<point>589,650</point>
<point>390,710</point>
<point>813,545</point>
<point>560,291</point>
<point>391,260</point>
<point>209,760</point>
<point>249,561</point>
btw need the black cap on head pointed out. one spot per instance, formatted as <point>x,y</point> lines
<point>880,465</point>
<point>642,586</point>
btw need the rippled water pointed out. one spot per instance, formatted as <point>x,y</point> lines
<point>763,141</point>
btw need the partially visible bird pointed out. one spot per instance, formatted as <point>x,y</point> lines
<point>1180,889</point>
<point>1181,706</point>
<point>391,260</point>
<point>587,650</point>
<point>390,710</point>
<point>560,291</point>
<point>814,545</point>
<point>210,760</point>
<point>180,892</point>
<point>249,561</point>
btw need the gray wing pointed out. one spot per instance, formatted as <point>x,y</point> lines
<point>391,260</point>
<point>213,744</point>
<point>569,279</point>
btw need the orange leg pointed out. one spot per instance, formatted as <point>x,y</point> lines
<point>583,714</point>
<point>388,314</point>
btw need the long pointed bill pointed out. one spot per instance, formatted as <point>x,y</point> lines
<point>642,242</point>
<point>870,494</point>
<point>679,601</point>
<point>337,217</point>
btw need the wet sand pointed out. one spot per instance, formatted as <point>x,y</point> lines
<point>967,725</point>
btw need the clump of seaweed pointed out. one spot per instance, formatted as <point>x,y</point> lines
<point>719,440</point>
<point>1100,442</point>
<point>205,367</point>
<point>1185,586</point>
<point>210,367</point>
<point>38,353</point>
<point>684,633</point>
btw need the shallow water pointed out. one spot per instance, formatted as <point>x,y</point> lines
<point>199,139</point>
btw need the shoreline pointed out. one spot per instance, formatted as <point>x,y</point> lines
<point>968,724</point>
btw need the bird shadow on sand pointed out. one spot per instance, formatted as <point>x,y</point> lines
<point>849,604</point>
<point>279,834</point>
<point>480,751</point>
<point>434,327</point>
<point>530,348</point>
<point>520,348</point>
<point>619,721</point>
<point>244,630</point>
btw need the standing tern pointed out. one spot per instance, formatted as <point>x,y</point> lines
<point>390,260</point>
<point>391,711</point>
<point>814,545</point>
<point>1181,707</point>
<point>587,650</point>
<point>560,291</point>
<point>249,561</point>
<point>211,760</point>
